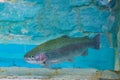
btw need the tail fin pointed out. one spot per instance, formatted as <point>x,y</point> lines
<point>96,41</point>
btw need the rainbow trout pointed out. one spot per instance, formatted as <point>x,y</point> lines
<point>61,49</point>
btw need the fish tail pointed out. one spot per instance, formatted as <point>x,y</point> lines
<point>96,41</point>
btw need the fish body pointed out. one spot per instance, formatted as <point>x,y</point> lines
<point>61,49</point>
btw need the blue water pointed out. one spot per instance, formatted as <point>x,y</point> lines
<point>40,20</point>
<point>13,55</point>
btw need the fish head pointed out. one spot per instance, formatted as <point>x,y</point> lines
<point>39,58</point>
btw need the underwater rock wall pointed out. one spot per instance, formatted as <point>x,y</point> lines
<point>33,22</point>
<point>118,38</point>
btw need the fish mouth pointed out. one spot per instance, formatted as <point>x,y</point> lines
<point>30,60</point>
<point>34,61</point>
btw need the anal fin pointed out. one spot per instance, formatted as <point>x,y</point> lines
<point>85,52</point>
<point>70,60</point>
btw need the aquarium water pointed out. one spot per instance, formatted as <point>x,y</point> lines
<point>25,24</point>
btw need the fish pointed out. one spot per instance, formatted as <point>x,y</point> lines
<point>61,49</point>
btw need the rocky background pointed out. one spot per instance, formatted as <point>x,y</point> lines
<point>36,21</point>
<point>31,22</point>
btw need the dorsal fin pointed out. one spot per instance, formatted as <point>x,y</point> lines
<point>85,37</point>
<point>65,36</point>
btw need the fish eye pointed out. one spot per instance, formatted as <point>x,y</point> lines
<point>44,62</point>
